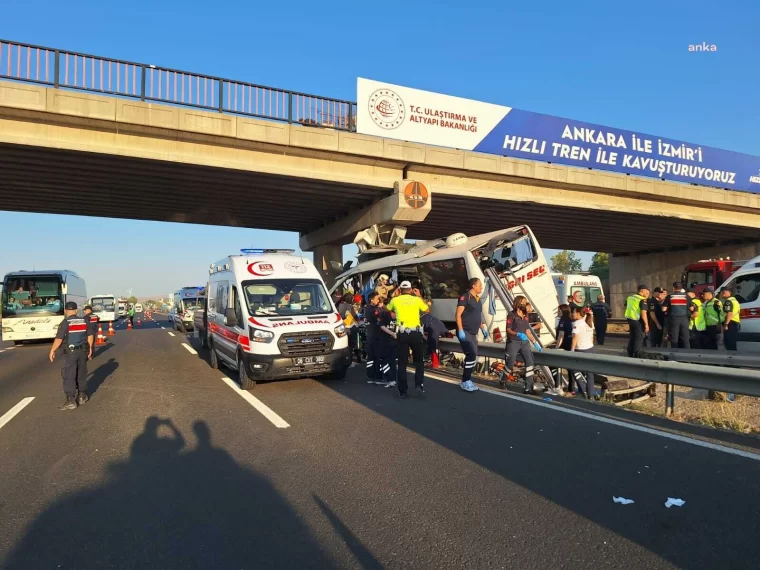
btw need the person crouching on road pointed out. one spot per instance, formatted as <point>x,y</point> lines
<point>407,308</point>
<point>583,341</point>
<point>519,340</point>
<point>434,329</point>
<point>469,318</point>
<point>74,335</point>
<point>636,307</point>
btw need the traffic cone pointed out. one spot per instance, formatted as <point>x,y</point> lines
<point>111,332</point>
<point>436,361</point>
<point>129,325</point>
<point>101,338</point>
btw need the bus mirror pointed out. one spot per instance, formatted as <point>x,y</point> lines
<point>64,288</point>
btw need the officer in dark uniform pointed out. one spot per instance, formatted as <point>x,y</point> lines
<point>469,318</point>
<point>386,352</point>
<point>678,308</point>
<point>93,321</point>
<point>371,316</point>
<point>656,317</point>
<point>602,312</point>
<point>74,335</point>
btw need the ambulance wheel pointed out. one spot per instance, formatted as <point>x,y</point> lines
<point>213,358</point>
<point>245,382</point>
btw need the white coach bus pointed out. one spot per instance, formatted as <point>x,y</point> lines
<point>33,302</point>
<point>106,307</point>
<point>442,269</point>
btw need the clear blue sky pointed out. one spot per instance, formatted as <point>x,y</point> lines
<point>604,62</point>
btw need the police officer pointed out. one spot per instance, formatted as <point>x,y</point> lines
<point>678,308</point>
<point>519,338</point>
<point>656,317</point>
<point>386,347</point>
<point>93,321</point>
<point>711,307</point>
<point>636,306</point>
<point>74,335</point>
<point>730,317</point>
<point>371,316</point>
<point>408,308</point>
<point>469,318</point>
<point>696,320</point>
<point>602,312</point>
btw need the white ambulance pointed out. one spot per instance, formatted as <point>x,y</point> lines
<point>746,285</point>
<point>583,288</point>
<point>269,316</point>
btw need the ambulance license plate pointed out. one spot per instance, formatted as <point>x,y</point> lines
<point>307,360</point>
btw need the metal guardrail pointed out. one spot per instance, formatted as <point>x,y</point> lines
<point>716,378</point>
<point>71,70</point>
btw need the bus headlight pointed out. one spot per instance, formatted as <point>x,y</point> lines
<point>340,330</point>
<point>258,335</point>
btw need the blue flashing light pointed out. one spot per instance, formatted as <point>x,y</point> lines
<point>250,251</point>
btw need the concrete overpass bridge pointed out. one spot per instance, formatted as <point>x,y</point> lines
<point>184,147</point>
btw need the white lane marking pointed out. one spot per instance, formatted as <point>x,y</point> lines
<point>163,329</point>
<point>10,348</point>
<point>263,409</point>
<point>171,334</point>
<point>618,423</point>
<point>189,348</point>
<point>10,414</point>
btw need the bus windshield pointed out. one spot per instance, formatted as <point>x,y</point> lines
<point>193,304</point>
<point>100,304</point>
<point>286,297</point>
<point>32,296</point>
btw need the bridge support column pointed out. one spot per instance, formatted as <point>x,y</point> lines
<point>328,260</point>
<point>662,268</point>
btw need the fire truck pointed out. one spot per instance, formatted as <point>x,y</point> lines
<point>709,273</point>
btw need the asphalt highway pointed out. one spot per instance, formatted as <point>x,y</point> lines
<point>170,465</point>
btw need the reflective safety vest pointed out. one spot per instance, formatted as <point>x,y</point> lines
<point>633,307</point>
<point>735,308</point>
<point>699,321</point>
<point>712,312</point>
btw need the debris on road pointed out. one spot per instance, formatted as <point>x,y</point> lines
<point>623,500</point>
<point>671,502</point>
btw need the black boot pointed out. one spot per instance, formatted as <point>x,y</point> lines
<point>82,397</point>
<point>69,404</point>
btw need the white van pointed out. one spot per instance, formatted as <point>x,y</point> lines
<point>746,286</point>
<point>442,269</point>
<point>269,316</point>
<point>33,302</point>
<point>583,288</point>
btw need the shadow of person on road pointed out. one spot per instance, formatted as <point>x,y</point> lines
<point>361,552</point>
<point>99,375</point>
<point>98,350</point>
<point>165,508</point>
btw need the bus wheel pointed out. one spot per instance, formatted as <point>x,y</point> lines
<point>245,382</point>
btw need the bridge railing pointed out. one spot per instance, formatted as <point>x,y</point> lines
<point>71,70</point>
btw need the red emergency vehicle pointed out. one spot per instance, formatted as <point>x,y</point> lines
<point>709,273</point>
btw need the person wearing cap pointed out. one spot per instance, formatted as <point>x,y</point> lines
<point>602,312</point>
<point>677,307</point>
<point>638,320</point>
<point>74,335</point>
<point>696,320</point>
<point>408,308</point>
<point>92,321</point>
<point>656,317</point>
<point>711,307</point>
<point>730,315</point>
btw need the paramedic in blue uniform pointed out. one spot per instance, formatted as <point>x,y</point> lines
<point>371,316</point>
<point>74,334</point>
<point>519,340</point>
<point>469,318</point>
